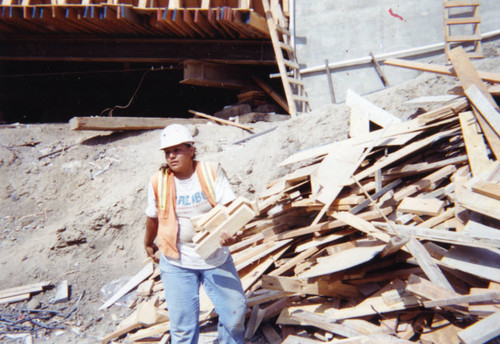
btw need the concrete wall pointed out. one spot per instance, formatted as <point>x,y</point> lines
<point>340,30</point>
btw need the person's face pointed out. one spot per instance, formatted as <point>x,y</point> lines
<point>180,158</point>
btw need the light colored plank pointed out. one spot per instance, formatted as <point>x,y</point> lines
<point>401,153</point>
<point>483,105</point>
<point>220,120</point>
<point>468,76</point>
<point>421,206</point>
<point>427,264</point>
<point>476,261</point>
<point>124,123</point>
<point>14,298</point>
<point>359,124</point>
<point>305,318</point>
<point>372,305</point>
<point>469,238</point>
<point>345,259</point>
<point>145,272</point>
<point>479,203</point>
<point>371,111</point>
<point>491,296</point>
<point>477,151</point>
<point>482,331</point>
<point>299,285</point>
<point>231,226</point>
<point>438,69</point>
<point>29,288</point>
<point>487,189</point>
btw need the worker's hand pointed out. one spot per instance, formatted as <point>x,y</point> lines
<point>226,239</point>
<point>151,250</point>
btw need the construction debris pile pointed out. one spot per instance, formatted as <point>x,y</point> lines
<point>390,236</point>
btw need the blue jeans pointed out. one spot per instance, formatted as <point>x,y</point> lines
<point>223,287</point>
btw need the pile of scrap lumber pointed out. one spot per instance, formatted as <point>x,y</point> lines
<point>390,236</point>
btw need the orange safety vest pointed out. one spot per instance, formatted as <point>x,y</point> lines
<point>164,189</point>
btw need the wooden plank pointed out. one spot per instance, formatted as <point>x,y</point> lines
<point>24,289</point>
<point>482,331</point>
<point>373,112</point>
<point>124,123</point>
<point>487,189</point>
<point>427,264</point>
<point>473,239</point>
<point>305,318</point>
<point>359,124</point>
<point>299,285</point>
<point>468,76</point>
<point>428,290</point>
<point>481,262</point>
<point>15,298</point>
<point>145,272</point>
<point>484,106</point>
<point>421,206</point>
<point>346,259</point>
<point>423,183</point>
<point>491,297</point>
<point>372,305</point>
<point>220,120</point>
<point>477,151</point>
<point>479,203</point>
<point>231,226</point>
<point>403,152</point>
<point>444,70</point>
<point>271,92</point>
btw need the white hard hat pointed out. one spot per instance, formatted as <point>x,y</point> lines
<point>174,135</point>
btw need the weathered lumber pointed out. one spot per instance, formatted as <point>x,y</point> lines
<point>231,226</point>
<point>370,110</point>
<point>486,188</point>
<point>126,123</point>
<point>312,319</point>
<point>131,284</point>
<point>444,70</point>
<point>477,151</point>
<point>421,206</point>
<point>482,331</point>
<point>220,120</point>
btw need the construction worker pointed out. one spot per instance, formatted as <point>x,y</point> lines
<point>182,189</point>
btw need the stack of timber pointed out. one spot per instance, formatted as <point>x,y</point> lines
<point>213,19</point>
<point>390,236</point>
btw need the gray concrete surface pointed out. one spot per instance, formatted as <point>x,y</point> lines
<point>340,30</point>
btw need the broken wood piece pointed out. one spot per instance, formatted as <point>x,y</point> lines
<point>477,261</point>
<point>373,112</point>
<point>421,206</point>
<point>482,331</point>
<point>300,285</point>
<point>220,120</point>
<point>25,289</point>
<point>438,69</point>
<point>426,262</point>
<point>127,325</point>
<point>305,318</point>
<point>477,150</point>
<point>231,226</point>
<point>487,189</point>
<point>131,284</point>
<point>492,296</point>
<point>124,123</point>
<point>145,288</point>
<point>62,293</point>
<point>479,203</point>
<point>484,106</point>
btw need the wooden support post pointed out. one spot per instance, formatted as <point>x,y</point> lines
<point>330,82</point>
<point>379,70</point>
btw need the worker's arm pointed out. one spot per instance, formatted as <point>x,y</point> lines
<point>150,236</point>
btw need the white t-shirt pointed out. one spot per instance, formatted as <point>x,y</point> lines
<point>190,202</point>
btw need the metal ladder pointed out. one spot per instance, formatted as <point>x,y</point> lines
<point>285,57</point>
<point>461,25</point>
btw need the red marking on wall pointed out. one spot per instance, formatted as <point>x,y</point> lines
<point>395,15</point>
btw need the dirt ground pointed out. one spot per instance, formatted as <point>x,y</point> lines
<point>78,215</point>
